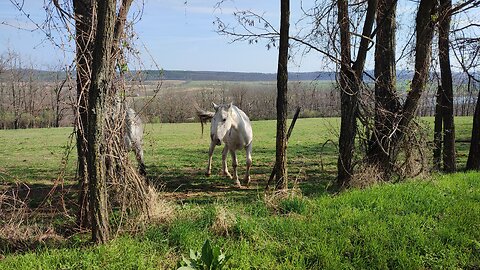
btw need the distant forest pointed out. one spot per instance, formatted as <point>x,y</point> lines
<point>186,75</point>
<point>233,76</point>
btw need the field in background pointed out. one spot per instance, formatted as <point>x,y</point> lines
<point>176,154</point>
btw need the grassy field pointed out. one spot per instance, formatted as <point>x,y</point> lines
<point>419,224</point>
<point>178,152</point>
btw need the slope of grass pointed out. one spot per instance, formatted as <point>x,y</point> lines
<point>429,224</point>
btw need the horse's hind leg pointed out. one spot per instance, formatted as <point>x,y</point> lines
<point>224,162</point>
<point>248,151</point>
<point>139,155</point>
<point>210,154</point>
<point>235,164</point>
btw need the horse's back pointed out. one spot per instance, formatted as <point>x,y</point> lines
<point>134,128</point>
<point>245,128</point>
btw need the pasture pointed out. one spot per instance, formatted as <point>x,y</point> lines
<point>432,223</point>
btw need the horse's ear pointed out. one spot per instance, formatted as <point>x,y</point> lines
<point>215,106</point>
<point>230,105</point>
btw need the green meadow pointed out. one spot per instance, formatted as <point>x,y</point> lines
<point>431,223</point>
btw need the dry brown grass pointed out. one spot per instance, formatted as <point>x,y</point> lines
<point>17,232</point>
<point>366,176</point>
<point>161,210</point>
<point>224,221</point>
<point>273,199</point>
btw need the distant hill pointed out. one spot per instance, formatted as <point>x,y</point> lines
<point>185,75</point>
<point>232,76</point>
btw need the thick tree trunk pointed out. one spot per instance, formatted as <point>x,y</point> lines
<point>350,80</point>
<point>348,97</point>
<point>101,82</point>
<point>473,162</point>
<point>387,105</point>
<point>446,78</point>
<point>281,176</point>
<point>84,22</point>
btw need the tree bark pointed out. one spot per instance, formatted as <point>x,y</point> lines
<point>446,79</point>
<point>438,130</point>
<point>387,105</point>
<point>350,80</point>
<point>101,82</point>
<point>281,176</point>
<point>423,48</point>
<point>348,97</point>
<point>84,22</point>
<point>473,161</point>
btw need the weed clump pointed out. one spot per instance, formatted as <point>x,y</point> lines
<point>224,221</point>
<point>285,201</point>
<point>161,211</point>
<point>366,176</point>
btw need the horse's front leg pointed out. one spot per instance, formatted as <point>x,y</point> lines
<point>210,155</point>
<point>248,151</point>
<point>224,162</point>
<point>235,164</point>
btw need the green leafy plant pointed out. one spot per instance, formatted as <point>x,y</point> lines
<point>209,259</point>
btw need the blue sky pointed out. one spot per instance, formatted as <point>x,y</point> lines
<point>177,35</point>
<point>180,35</point>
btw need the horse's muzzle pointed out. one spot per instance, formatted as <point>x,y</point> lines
<point>215,139</point>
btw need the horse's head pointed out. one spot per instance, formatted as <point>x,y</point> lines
<point>221,122</point>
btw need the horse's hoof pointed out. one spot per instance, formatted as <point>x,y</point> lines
<point>237,184</point>
<point>207,174</point>
<point>228,175</point>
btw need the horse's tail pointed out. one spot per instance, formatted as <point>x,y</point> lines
<point>204,116</point>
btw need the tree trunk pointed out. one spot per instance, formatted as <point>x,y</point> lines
<point>473,162</point>
<point>101,82</point>
<point>387,105</point>
<point>84,22</point>
<point>281,176</point>
<point>437,130</point>
<point>446,78</point>
<point>350,80</point>
<point>423,48</point>
<point>348,97</point>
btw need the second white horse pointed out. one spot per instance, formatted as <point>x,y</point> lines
<point>231,126</point>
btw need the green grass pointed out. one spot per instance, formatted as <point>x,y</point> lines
<point>179,151</point>
<point>419,224</point>
<point>431,224</point>
<point>34,155</point>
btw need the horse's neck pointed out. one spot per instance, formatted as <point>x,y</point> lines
<point>238,119</point>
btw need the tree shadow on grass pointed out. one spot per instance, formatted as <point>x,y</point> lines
<point>192,185</point>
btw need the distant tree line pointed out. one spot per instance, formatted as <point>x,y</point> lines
<point>30,99</point>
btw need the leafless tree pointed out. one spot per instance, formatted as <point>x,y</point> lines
<point>465,46</point>
<point>350,81</point>
<point>446,87</point>
<point>281,176</point>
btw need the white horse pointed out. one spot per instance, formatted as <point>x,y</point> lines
<point>134,137</point>
<point>231,126</point>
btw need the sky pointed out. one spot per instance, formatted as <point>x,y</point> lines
<point>180,35</point>
<point>171,34</point>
